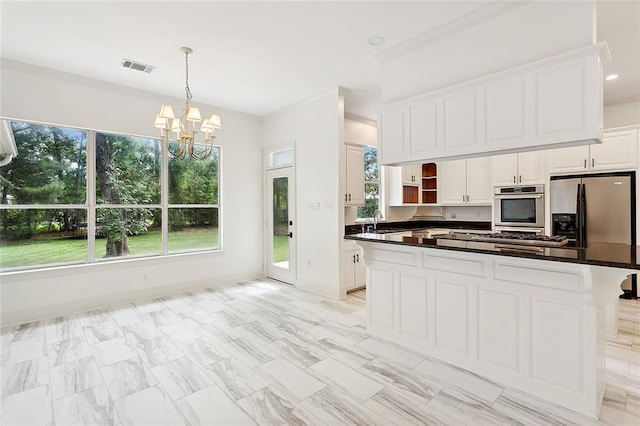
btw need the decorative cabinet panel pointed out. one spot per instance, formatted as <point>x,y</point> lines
<point>466,182</point>
<point>618,151</point>
<point>524,168</point>
<point>354,195</point>
<point>554,101</point>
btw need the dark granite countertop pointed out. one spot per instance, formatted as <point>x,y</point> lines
<point>601,254</point>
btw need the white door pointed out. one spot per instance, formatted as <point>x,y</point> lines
<point>281,225</point>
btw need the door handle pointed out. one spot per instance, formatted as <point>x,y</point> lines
<point>349,197</point>
<point>354,258</point>
<point>514,178</point>
<point>593,162</point>
<point>585,163</point>
<point>290,234</point>
<point>357,258</point>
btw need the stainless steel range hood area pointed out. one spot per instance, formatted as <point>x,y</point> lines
<point>550,103</point>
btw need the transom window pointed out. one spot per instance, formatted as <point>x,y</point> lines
<point>81,196</point>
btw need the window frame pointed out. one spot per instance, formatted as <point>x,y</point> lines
<point>378,183</point>
<point>91,206</point>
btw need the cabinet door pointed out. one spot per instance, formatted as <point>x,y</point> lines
<point>452,180</point>
<point>359,276</point>
<point>505,110</point>
<point>460,122</point>
<point>505,169</point>
<point>561,94</point>
<point>355,176</point>
<point>411,175</point>
<point>348,278</point>
<point>568,160</point>
<point>391,136</point>
<point>531,168</point>
<point>479,188</point>
<point>618,151</point>
<point>423,128</point>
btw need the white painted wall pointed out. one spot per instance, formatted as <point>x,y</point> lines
<point>43,95</point>
<point>317,126</point>
<point>358,132</point>
<point>523,34</point>
<point>622,113</point>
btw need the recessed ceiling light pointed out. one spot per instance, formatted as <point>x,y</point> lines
<point>377,41</point>
<point>611,77</point>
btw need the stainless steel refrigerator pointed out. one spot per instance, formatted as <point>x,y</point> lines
<point>597,208</point>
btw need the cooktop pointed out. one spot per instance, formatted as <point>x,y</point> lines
<point>509,238</point>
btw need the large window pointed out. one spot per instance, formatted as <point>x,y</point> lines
<point>55,209</point>
<point>371,183</point>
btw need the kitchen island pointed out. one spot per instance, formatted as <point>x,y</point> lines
<point>533,319</point>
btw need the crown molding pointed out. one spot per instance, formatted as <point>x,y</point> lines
<point>457,25</point>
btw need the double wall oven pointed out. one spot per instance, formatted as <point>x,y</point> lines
<point>519,209</point>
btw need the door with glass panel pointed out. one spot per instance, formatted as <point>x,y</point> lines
<point>281,235</point>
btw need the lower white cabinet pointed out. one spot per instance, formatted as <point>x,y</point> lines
<point>532,324</point>
<point>354,267</point>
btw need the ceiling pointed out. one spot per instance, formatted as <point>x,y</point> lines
<point>262,56</point>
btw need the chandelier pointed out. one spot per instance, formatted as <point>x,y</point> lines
<point>179,134</point>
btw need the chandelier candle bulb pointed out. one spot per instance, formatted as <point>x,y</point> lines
<point>184,144</point>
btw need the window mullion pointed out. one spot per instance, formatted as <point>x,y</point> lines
<point>91,196</point>
<point>164,197</point>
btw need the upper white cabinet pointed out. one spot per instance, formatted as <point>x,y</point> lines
<point>555,101</point>
<point>618,151</point>
<point>524,168</point>
<point>465,182</point>
<point>411,174</point>
<point>354,194</point>
<point>424,128</point>
<point>506,108</point>
<point>460,116</point>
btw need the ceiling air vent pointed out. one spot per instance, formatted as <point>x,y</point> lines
<point>128,63</point>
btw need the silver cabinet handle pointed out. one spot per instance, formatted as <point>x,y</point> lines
<point>463,198</point>
<point>349,197</point>
<point>593,162</point>
<point>514,178</point>
<point>520,177</point>
<point>585,163</point>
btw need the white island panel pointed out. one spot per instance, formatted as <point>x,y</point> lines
<point>530,324</point>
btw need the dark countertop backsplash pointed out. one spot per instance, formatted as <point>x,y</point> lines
<point>419,224</point>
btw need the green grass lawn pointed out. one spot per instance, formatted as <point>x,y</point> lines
<point>40,252</point>
<point>280,248</point>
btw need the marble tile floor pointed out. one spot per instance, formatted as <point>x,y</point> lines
<point>262,352</point>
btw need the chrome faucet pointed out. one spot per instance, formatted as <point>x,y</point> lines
<point>377,215</point>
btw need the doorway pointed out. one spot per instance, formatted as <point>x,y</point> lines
<point>280,212</point>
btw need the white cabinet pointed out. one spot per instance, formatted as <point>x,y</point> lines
<point>554,101</point>
<point>354,267</point>
<point>618,151</point>
<point>411,175</point>
<point>466,182</point>
<point>424,128</point>
<point>525,168</point>
<point>354,194</point>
